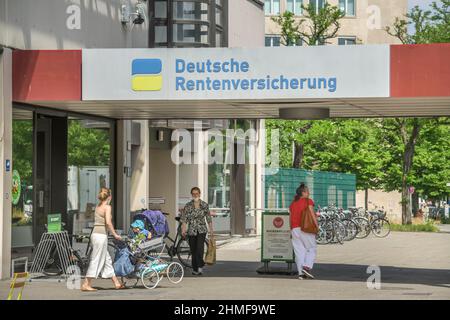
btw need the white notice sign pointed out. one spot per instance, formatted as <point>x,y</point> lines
<point>276,238</point>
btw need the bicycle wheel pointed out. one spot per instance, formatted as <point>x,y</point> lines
<point>339,232</point>
<point>52,266</point>
<point>150,278</point>
<point>175,272</point>
<point>363,227</point>
<point>381,227</point>
<point>329,232</point>
<point>78,261</point>
<point>321,237</point>
<point>184,253</point>
<point>351,229</point>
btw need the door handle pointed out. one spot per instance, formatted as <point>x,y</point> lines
<point>41,199</point>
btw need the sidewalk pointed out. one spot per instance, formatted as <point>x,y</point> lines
<point>445,228</point>
<point>341,273</point>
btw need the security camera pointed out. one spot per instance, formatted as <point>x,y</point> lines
<point>138,16</point>
<point>140,13</point>
<point>139,19</point>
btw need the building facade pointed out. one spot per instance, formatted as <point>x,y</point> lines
<point>364,20</point>
<point>61,158</point>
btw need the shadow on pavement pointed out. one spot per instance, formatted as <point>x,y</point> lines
<point>337,272</point>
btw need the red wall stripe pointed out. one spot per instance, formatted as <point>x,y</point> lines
<point>420,70</point>
<point>47,75</point>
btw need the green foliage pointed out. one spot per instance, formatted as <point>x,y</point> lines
<point>430,26</point>
<point>427,227</point>
<point>372,149</point>
<point>318,26</point>
<point>87,147</point>
<point>430,167</point>
<point>348,146</point>
<point>321,24</point>
<point>289,28</point>
<point>23,149</point>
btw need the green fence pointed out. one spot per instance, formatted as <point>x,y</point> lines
<point>325,187</point>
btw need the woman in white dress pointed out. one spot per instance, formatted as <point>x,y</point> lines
<point>101,263</point>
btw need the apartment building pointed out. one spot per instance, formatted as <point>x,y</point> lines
<point>364,20</point>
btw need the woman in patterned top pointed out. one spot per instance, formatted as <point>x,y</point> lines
<point>193,219</point>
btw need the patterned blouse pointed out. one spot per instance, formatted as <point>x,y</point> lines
<point>196,217</point>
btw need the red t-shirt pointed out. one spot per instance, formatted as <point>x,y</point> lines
<point>296,208</point>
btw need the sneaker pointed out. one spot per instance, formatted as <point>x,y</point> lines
<point>307,273</point>
<point>200,271</point>
<point>195,273</point>
<point>302,277</point>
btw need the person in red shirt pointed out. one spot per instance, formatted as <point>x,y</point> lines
<point>304,243</point>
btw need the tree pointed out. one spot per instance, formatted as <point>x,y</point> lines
<point>319,25</point>
<point>87,147</point>
<point>23,149</point>
<point>400,137</point>
<point>342,145</point>
<point>431,167</point>
<point>289,28</point>
<point>430,26</point>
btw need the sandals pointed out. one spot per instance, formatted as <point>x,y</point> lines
<point>122,286</point>
<point>88,290</point>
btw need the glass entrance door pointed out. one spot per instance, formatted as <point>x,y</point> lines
<point>43,186</point>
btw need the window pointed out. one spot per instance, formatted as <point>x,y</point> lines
<point>272,7</point>
<point>188,10</point>
<point>344,41</point>
<point>190,23</point>
<point>347,6</point>
<point>295,6</point>
<point>190,33</point>
<point>298,43</point>
<point>161,9</point>
<point>318,4</point>
<point>273,41</point>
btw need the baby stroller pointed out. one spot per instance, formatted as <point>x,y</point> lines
<point>137,264</point>
<point>155,222</point>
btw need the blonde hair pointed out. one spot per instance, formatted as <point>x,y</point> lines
<point>104,194</point>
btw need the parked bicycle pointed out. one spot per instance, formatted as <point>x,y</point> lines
<point>54,265</point>
<point>337,225</point>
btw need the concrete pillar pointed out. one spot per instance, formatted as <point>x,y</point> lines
<point>5,155</point>
<point>201,165</point>
<point>237,188</point>
<point>140,183</point>
<point>260,165</point>
<point>123,174</point>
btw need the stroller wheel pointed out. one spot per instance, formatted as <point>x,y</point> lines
<point>175,272</point>
<point>150,278</point>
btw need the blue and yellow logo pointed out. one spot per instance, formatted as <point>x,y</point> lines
<point>146,75</point>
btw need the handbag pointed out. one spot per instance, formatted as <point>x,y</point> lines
<point>309,222</point>
<point>210,257</point>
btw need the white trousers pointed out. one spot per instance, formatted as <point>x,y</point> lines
<point>305,247</point>
<point>100,263</point>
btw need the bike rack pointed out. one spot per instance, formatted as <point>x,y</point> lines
<point>46,244</point>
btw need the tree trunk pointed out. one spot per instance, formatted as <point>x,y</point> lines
<point>406,214</point>
<point>408,156</point>
<point>415,203</point>
<point>298,155</point>
<point>366,199</point>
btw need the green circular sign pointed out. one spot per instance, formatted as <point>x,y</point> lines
<point>16,188</point>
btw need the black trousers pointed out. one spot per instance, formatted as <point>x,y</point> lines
<point>197,246</point>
